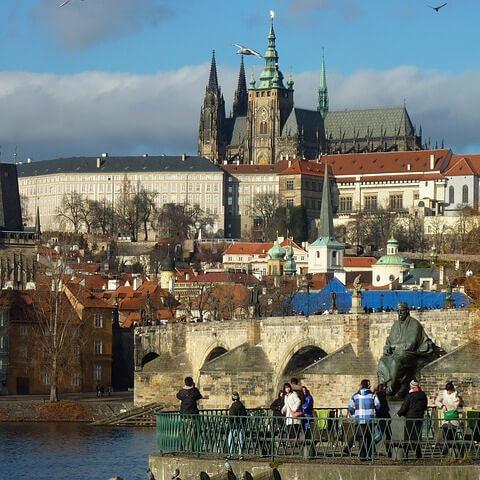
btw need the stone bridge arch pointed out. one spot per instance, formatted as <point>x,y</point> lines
<point>295,358</point>
<point>213,351</point>
<point>148,357</point>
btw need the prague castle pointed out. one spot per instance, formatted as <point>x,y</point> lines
<point>266,127</point>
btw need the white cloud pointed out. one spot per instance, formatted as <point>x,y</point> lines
<point>48,116</point>
<point>81,24</point>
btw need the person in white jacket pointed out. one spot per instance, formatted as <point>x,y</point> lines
<point>291,405</point>
<point>450,403</point>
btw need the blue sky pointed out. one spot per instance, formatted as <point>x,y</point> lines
<point>106,57</point>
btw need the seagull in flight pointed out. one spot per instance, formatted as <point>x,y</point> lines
<point>246,51</point>
<point>437,8</point>
<point>66,2</point>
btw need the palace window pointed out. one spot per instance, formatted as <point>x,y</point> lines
<point>290,184</point>
<point>46,379</point>
<point>98,347</point>
<point>345,204</point>
<point>465,194</point>
<point>451,194</point>
<point>98,320</point>
<point>76,380</point>
<point>370,202</point>
<point>97,372</point>
<point>289,202</point>
<point>263,128</point>
<point>396,202</point>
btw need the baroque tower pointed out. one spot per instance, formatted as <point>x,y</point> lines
<point>323,91</point>
<point>269,105</point>
<point>211,137</point>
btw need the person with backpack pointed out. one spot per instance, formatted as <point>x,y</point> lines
<point>236,432</point>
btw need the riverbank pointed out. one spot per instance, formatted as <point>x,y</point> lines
<point>73,409</point>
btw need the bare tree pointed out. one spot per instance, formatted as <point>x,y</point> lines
<point>146,205</point>
<point>263,211</point>
<point>101,214</point>
<point>58,326</point>
<point>71,209</point>
<point>24,203</point>
<point>128,210</point>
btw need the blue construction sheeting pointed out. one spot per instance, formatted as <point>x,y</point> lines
<point>376,300</point>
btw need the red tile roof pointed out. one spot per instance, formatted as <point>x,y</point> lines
<point>461,165</point>
<point>304,167</point>
<point>252,248</point>
<point>273,168</point>
<point>359,262</point>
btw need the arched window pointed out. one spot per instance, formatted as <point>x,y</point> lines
<point>318,254</point>
<point>451,194</point>
<point>263,128</point>
<point>465,194</point>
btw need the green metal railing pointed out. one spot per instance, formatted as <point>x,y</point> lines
<point>261,434</point>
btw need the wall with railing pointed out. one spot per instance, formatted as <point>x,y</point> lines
<point>329,434</point>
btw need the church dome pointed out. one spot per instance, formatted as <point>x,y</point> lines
<point>392,260</point>
<point>290,266</point>
<point>277,252</point>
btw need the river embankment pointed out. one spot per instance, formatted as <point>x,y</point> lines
<point>25,409</point>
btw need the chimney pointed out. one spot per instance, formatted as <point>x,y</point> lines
<point>29,160</point>
<point>225,162</point>
<point>409,166</point>
<point>99,162</point>
<point>187,277</point>
<point>137,282</point>
<point>432,161</point>
<point>289,163</point>
<point>237,161</point>
<point>105,155</point>
<point>145,155</point>
<point>184,157</point>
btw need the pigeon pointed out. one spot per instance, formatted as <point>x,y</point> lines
<point>246,51</point>
<point>176,474</point>
<point>66,2</point>
<point>437,8</point>
<point>228,467</point>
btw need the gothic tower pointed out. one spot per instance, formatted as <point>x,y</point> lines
<point>211,139</point>
<point>269,105</point>
<point>240,100</point>
<point>323,91</point>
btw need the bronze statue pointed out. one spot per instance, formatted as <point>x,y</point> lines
<point>407,349</point>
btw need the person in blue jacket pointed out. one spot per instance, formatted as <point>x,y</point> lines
<point>307,411</point>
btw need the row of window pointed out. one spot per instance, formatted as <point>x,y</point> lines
<point>76,377</point>
<point>370,202</point>
<point>451,194</point>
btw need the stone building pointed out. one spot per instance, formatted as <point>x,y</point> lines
<point>174,179</point>
<point>266,126</point>
<point>22,371</point>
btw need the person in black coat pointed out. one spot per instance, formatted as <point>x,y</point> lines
<point>383,415</point>
<point>236,433</point>
<point>413,409</point>
<point>189,395</point>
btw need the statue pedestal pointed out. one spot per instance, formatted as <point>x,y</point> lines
<point>398,429</point>
<point>356,304</point>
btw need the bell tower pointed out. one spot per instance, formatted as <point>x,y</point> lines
<point>211,137</point>
<point>269,104</point>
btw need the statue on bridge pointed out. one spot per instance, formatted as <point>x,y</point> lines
<point>407,349</point>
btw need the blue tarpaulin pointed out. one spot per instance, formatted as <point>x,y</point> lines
<point>377,300</point>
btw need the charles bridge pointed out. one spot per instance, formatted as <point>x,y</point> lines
<point>329,353</point>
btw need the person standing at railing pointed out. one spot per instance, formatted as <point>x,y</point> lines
<point>450,404</point>
<point>297,388</point>
<point>384,428</point>
<point>189,396</point>
<point>292,410</point>
<point>237,420</point>
<point>413,409</point>
<point>307,411</point>
<point>363,407</point>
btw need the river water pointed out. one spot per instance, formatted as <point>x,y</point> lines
<point>72,451</point>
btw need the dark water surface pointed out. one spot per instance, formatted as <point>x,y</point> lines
<point>66,451</point>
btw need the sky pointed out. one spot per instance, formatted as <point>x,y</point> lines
<point>128,76</point>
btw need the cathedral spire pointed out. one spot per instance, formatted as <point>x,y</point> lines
<point>38,228</point>
<point>271,75</point>
<point>325,226</point>
<point>213,79</point>
<point>240,101</point>
<point>323,90</point>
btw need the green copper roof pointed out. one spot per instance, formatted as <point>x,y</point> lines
<point>290,266</point>
<point>392,260</point>
<point>277,252</point>
<point>392,241</point>
<point>271,77</point>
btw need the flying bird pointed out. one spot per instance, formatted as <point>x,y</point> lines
<point>66,2</point>
<point>437,8</point>
<point>246,51</point>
